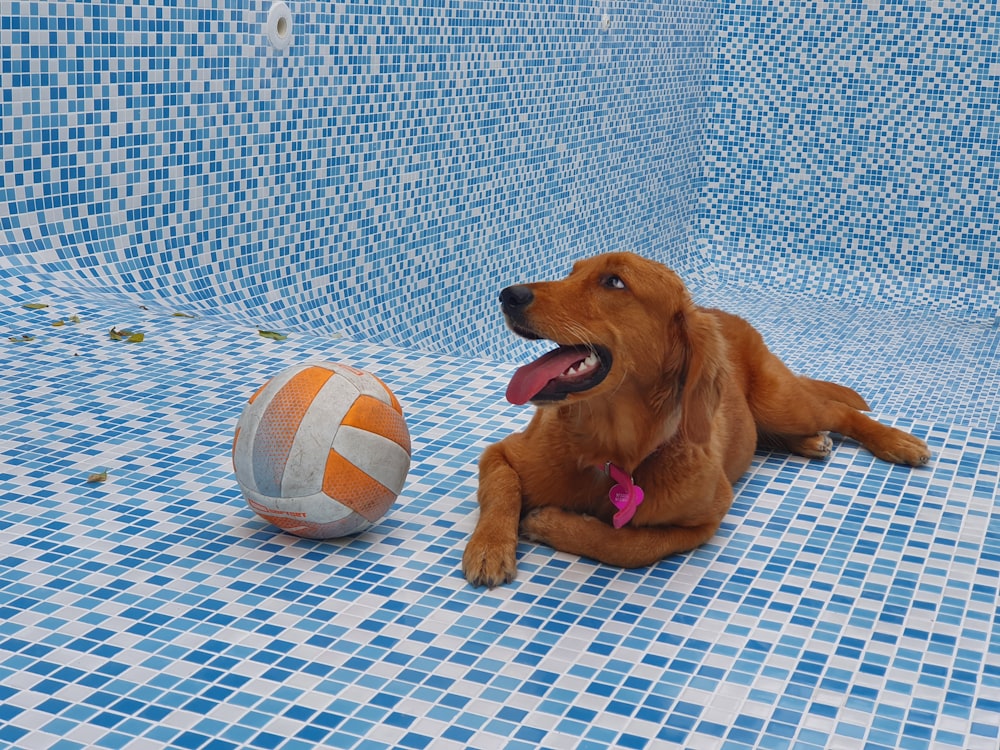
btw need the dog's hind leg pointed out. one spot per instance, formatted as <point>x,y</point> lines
<point>836,392</point>
<point>886,442</point>
<point>796,412</point>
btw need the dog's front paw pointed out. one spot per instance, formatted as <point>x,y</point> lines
<point>489,563</point>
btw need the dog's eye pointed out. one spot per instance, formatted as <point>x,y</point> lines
<point>613,282</point>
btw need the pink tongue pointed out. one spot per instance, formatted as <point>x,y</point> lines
<point>532,378</point>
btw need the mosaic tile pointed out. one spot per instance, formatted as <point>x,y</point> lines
<point>849,150</point>
<point>209,169</point>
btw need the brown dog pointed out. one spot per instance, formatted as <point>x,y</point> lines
<point>648,411</point>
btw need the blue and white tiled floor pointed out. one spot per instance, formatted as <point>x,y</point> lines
<point>845,604</point>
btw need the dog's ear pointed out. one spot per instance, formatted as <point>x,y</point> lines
<point>702,388</point>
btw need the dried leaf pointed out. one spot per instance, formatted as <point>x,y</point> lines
<point>272,335</point>
<point>100,476</point>
<point>21,339</point>
<point>117,335</point>
<point>129,337</point>
<point>35,306</point>
<point>74,319</point>
<point>182,315</point>
<point>58,323</point>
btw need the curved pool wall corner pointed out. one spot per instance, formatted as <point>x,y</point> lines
<point>393,158</point>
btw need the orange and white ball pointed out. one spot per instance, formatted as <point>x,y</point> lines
<point>322,450</point>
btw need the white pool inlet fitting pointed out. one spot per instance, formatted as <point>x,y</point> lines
<point>279,26</point>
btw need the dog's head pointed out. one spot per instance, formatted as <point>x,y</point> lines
<point>625,327</point>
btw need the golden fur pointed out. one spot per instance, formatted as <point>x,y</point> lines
<point>689,394</point>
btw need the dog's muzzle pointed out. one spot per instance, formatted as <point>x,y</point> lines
<point>570,368</point>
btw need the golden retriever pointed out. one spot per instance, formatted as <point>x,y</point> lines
<point>648,411</point>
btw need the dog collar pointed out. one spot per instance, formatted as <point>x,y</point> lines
<point>626,495</point>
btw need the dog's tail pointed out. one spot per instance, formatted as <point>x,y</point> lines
<point>841,393</point>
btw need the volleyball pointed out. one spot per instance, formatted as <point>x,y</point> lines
<point>321,450</point>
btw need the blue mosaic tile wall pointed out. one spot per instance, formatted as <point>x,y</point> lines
<point>853,150</point>
<point>397,155</point>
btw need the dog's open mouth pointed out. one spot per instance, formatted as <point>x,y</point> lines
<point>566,370</point>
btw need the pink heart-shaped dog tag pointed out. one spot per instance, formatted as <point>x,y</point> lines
<point>627,498</point>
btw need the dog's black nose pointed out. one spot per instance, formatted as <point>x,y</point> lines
<point>516,297</point>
